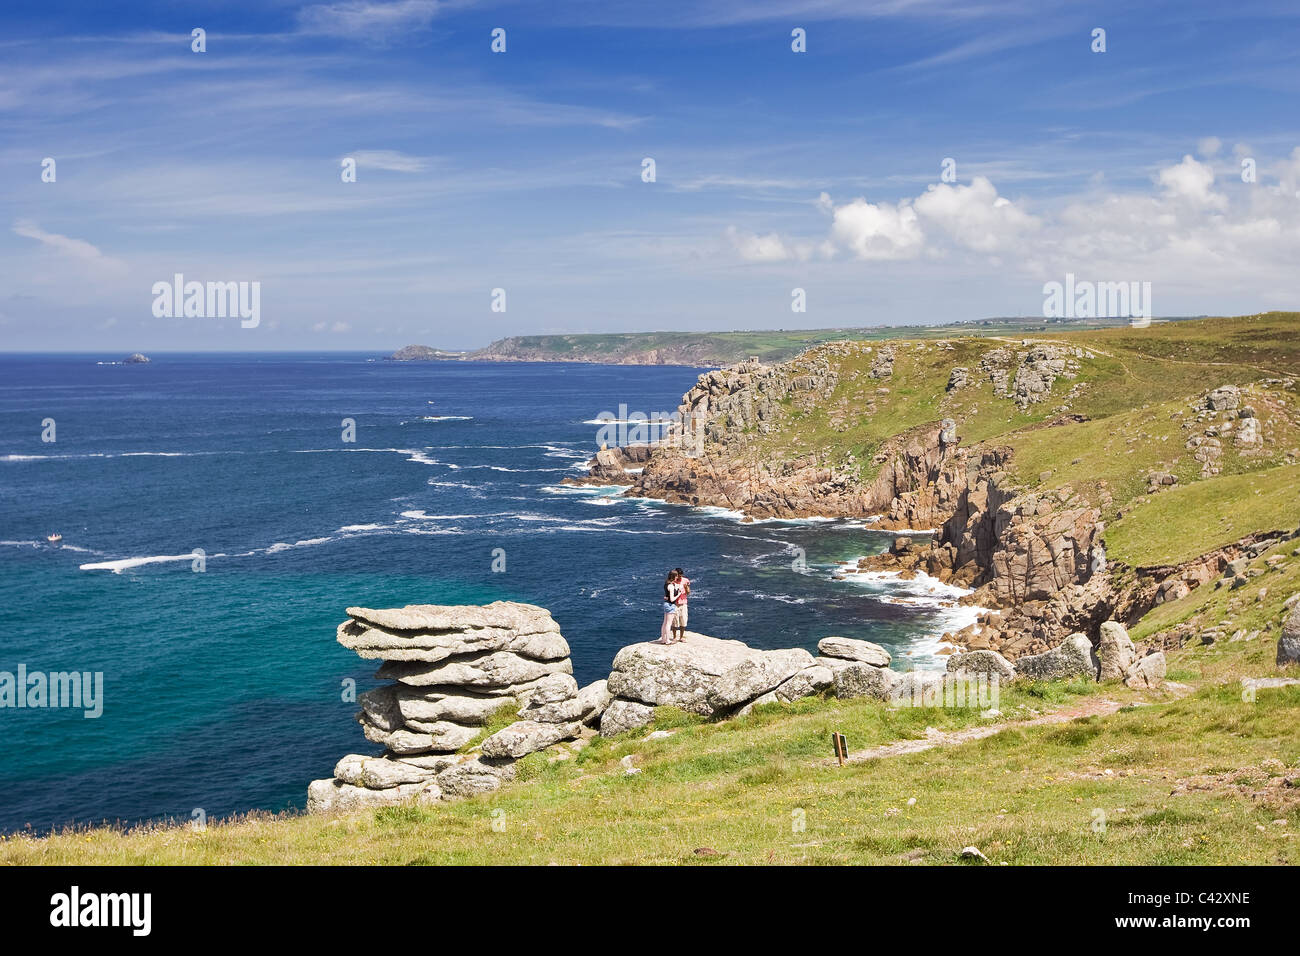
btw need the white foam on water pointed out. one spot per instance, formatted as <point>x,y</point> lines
<point>281,546</point>
<point>74,456</point>
<point>121,564</point>
<point>413,454</point>
<point>607,490</point>
<point>927,593</point>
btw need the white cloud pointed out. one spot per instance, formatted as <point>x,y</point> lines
<point>358,18</point>
<point>881,231</point>
<point>975,215</point>
<point>85,252</point>
<point>755,248</point>
<point>1190,180</point>
<point>1209,146</point>
<point>389,159</point>
<point>1191,241</point>
<point>772,248</point>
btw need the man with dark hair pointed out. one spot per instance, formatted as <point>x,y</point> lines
<point>679,625</point>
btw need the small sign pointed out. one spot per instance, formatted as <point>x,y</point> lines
<point>841,745</point>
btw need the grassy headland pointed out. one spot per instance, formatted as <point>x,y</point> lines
<point>702,349</point>
<point>1199,772</point>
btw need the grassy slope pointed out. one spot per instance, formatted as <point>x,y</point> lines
<point>1136,388</point>
<point>1192,780</point>
<point>1026,795</point>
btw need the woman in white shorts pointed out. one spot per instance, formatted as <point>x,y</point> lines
<point>672,588</point>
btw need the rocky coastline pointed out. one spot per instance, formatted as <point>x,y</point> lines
<point>1036,560</point>
<point>456,670</point>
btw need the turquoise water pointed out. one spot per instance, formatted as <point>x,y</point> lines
<point>223,689</point>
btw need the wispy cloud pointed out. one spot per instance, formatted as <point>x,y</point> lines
<point>359,19</point>
<point>84,252</point>
<point>388,159</point>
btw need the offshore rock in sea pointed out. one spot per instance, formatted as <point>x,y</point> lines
<point>455,669</point>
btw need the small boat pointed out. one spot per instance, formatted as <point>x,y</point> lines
<point>54,538</point>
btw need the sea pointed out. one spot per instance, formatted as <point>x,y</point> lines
<point>219,512</point>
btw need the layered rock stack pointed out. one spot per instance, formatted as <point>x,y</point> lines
<point>454,669</point>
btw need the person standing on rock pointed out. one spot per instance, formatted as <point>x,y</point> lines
<point>672,589</point>
<point>683,595</point>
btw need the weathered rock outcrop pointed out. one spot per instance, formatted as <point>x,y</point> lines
<point>1288,644</point>
<point>702,459</point>
<point>1147,672</point>
<point>1072,658</point>
<point>455,668</point>
<point>982,662</point>
<point>1115,651</point>
<point>703,675</point>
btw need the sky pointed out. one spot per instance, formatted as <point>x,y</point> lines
<point>919,161</point>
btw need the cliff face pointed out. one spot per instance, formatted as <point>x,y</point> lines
<point>1036,559</point>
<point>1022,455</point>
<point>612,350</point>
<point>716,457</point>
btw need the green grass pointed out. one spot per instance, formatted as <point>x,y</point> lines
<point>769,345</point>
<point>761,790</point>
<point>1185,521</point>
<point>1190,780</point>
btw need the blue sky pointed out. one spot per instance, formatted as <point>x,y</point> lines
<point>522,171</point>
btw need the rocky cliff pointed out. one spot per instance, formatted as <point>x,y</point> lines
<point>713,457</point>
<point>841,431</point>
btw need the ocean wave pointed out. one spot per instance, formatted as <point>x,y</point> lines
<point>769,596</point>
<point>121,564</point>
<point>413,454</point>
<point>281,546</point>
<point>940,601</point>
<point>71,456</point>
<point>607,490</point>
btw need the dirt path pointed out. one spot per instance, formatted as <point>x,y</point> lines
<point>1099,707</point>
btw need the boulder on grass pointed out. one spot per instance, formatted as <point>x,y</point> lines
<point>1149,672</point>
<point>676,675</point>
<point>1070,659</point>
<point>524,737</point>
<point>860,679</point>
<point>1115,652</point>
<point>809,681</point>
<point>848,649</point>
<point>755,677</point>
<point>333,796</point>
<point>623,715</point>
<point>982,662</point>
<point>1288,645</point>
<point>475,777</point>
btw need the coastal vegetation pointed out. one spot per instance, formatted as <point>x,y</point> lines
<point>1194,775</point>
<point>701,349</point>
<point>1144,475</point>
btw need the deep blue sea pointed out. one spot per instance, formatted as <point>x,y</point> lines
<point>223,689</point>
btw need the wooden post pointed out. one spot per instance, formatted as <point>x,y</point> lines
<point>841,745</point>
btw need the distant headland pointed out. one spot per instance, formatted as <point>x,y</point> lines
<point>717,349</point>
